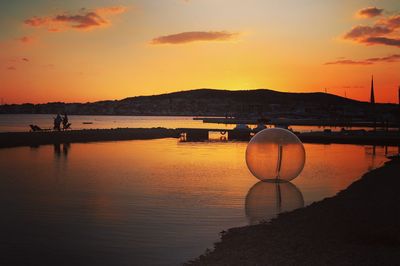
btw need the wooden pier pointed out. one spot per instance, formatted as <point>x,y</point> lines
<point>385,138</point>
<point>202,134</point>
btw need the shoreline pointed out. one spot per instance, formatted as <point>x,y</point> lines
<point>16,139</point>
<point>358,226</point>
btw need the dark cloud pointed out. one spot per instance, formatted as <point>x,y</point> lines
<point>369,61</point>
<point>11,68</point>
<point>360,32</point>
<point>85,20</point>
<point>25,59</point>
<point>194,36</point>
<point>384,31</point>
<point>382,40</point>
<point>369,12</point>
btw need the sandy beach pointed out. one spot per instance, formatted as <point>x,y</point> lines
<point>358,226</point>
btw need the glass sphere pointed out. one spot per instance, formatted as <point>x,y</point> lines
<point>275,155</point>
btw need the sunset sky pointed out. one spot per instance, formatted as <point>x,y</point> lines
<point>89,50</point>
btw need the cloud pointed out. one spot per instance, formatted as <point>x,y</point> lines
<point>369,61</point>
<point>348,62</point>
<point>389,59</point>
<point>369,12</point>
<point>111,10</point>
<point>26,39</point>
<point>11,68</point>
<point>384,31</point>
<point>392,22</point>
<point>83,20</point>
<point>194,36</point>
<point>382,40</point>
<point>360,32</point>
<point>25,59</point>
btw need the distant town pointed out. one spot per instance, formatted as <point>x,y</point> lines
<point>261,103</point>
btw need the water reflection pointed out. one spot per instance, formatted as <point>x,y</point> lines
<point>266,200</point>
<point>148,202</point>
<point>57,149</point>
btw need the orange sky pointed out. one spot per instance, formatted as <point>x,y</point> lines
<point>92,50</point>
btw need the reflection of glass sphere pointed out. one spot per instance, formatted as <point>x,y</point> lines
<point>275,154</point>
<point>265,200</point>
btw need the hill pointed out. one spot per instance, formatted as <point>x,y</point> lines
<point>261,96</point>
<point>213,103</point>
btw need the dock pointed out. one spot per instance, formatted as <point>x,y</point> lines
<point>202,134</point>
<point>384,138</point>
<point>376,138</point>
<point>298,122</point>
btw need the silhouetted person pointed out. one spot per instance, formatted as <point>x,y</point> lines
<point>57,122</point>
<point>65,123</point>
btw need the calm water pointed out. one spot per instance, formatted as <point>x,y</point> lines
<point>155,202</point>
<point>21,122</point>
<point>13,122</point>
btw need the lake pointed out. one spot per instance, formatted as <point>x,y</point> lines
<point>153,202</point>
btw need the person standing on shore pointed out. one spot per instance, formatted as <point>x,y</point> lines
<point>65,121</point>
<point>57,122</point>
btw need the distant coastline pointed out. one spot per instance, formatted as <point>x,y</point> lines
<point>210,102</point>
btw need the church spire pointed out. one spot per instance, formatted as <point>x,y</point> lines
<point>372,98</point>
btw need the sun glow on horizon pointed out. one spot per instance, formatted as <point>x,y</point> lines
<point>85,51</point>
